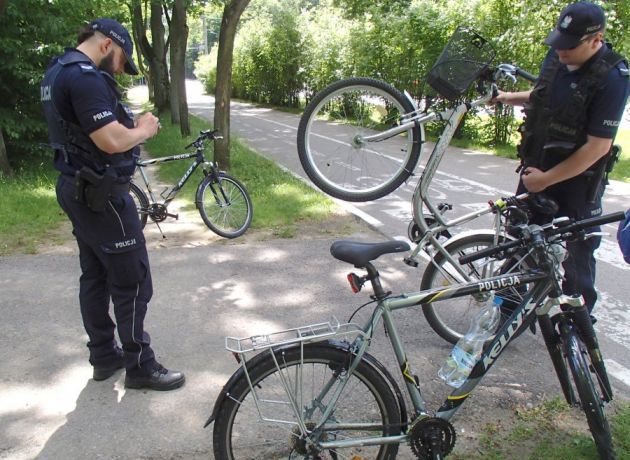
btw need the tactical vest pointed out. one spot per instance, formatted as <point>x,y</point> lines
<point>69,140</point>
<point>549,136</point>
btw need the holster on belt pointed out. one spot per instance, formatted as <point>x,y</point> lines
<point>598,173</point>
<point>93,189</point>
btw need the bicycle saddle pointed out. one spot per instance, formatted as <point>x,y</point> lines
<point>360,254</point>
<point>542,204</point>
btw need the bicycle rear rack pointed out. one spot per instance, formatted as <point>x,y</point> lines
<point>310,333</point>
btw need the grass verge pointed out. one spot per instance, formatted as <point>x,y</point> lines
<point>29,213</point>
<point>281,202</point>
<point>549,432</point>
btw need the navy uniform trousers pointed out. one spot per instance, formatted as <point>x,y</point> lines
<point>579,266</point>
<point>114,265</point>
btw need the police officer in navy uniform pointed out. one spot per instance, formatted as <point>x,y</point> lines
<point>571,119</point>
<point>95,139</point>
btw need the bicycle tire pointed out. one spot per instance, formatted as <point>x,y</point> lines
<point>142,203</point>
<point>238,418</point>
<point>330,133</point>
<point>224,205</point>
<point>451,319</point>
<point>591,401</point>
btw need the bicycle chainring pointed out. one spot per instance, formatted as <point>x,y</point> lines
<point>431,435</point>
<point>157,212</point>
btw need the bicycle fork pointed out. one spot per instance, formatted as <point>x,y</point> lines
<point>574,314</point>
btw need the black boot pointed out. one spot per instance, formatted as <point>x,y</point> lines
<point>157,378</point>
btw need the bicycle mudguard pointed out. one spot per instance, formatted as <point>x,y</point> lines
<point>339,345</point>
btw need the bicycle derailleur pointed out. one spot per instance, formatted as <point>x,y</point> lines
<point>430,436</point>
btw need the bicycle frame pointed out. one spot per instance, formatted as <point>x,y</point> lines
<point>384,311</point>
<point>199,160</point>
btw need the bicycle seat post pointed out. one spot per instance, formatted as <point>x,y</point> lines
<point>375,280</point>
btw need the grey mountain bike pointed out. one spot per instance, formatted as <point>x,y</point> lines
<point>223,202</point>
<point>315,392</point>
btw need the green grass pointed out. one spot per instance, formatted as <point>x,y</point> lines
<point>280,201</point>
<point>548,432</point>
<point>29,213</point>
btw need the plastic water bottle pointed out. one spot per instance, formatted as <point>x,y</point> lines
<point>468,349</point>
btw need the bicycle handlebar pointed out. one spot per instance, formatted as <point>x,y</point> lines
<point>526,75</point>
<point>569,229</point>
<point>203,135</point>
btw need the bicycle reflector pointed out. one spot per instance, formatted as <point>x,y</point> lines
<point>356,282</point>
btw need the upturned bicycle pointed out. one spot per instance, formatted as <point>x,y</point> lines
<point>359,139</point>
<point>315,392</point>
<point>223,202</point>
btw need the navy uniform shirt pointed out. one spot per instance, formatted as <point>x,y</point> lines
<point>83,96</point>
<point>607,105</point>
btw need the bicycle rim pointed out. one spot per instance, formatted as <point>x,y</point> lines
<point>591,401</point>
<point>451,318</point>
<point>332,146</point>
<point>239,432</point>
<point>225,206</point>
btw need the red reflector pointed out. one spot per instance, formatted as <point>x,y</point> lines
<point>355,283</point>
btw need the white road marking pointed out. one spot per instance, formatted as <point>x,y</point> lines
<point>618,371</point>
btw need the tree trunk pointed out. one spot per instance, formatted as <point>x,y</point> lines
<point>154,52</point>
<point>179,37</point>
<point>5,167</point>
<point>231,16</point>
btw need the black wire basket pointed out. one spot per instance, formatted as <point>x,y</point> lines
<point>466,55</point>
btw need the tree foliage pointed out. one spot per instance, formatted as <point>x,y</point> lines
<point>280,54</point>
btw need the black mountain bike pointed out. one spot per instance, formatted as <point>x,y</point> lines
<point>222,201</point>
<point>315,392</point>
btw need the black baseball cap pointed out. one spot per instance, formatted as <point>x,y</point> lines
<point>576,21</point>
<point>115,30</point>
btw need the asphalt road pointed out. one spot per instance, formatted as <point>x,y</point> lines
<point>466,179</point>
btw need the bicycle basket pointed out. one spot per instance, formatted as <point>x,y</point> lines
<point>466,55</point>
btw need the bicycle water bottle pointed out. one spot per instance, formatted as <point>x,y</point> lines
<point>468,349</point>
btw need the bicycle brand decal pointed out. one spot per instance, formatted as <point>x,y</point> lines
<point>183,156</point>
<point>498,347</point>
<point>188,173</point>
<point>499,284</point>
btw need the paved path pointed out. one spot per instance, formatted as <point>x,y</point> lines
<point>467,179</point>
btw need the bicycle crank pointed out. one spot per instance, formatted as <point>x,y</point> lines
<point>431,438</point>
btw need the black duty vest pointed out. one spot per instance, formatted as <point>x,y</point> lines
<point>69,140</point>
<point>548,135</point>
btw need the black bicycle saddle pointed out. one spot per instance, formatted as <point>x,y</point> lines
<point>360,254</point>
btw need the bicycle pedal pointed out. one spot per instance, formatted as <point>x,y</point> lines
<point>175,216</point>
<point>411,262</point>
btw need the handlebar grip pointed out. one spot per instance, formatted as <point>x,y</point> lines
<point>586,223</point>
<point>526,75</point>
<point>488,252</point>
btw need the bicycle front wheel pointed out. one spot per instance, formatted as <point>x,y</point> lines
<point>224,205</point>
<point>451,318</point>
<point>263,424</point>
<point>591,400</point>
<point>141,201</point>
<point>336,143</point>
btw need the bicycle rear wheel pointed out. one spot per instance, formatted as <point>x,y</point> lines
<point>366,407</point>
<point>332,143</point>
<point>451,318</point>
<point>224,205</point>
<point>591,400</point>
<point>141,201</point>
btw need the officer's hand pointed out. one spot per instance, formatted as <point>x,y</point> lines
<point>534,179</point>
<point>149,123</point>
<point>500,98</point>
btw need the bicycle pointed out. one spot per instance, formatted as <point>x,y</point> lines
<point>316,392</point>
<point>359,139</point>
<point>222,201</point>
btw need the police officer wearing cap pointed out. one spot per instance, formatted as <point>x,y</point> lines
<point>95,139</point>
<point>571,119</point>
